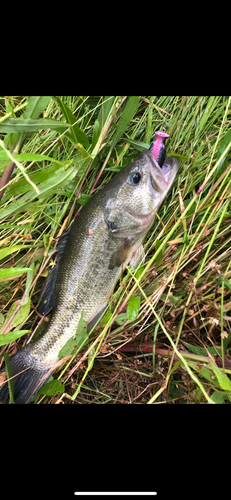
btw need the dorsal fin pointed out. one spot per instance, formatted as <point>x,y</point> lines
<point>47,298</point>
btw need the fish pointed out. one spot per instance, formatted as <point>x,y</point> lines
<point>104,238</point>
<point>158,147</point>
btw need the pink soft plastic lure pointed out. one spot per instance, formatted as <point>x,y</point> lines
<point>158,147</point>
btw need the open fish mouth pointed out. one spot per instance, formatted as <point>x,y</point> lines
<point>169,169</point>
<point>161,178</point>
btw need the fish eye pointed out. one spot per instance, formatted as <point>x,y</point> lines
<point>135,178</point>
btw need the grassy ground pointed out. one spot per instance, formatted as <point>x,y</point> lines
<point>176,350</point>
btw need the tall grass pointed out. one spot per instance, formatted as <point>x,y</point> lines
<point>176,347</point>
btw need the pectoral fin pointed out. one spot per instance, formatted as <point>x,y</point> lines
<point>121,254</point>
<point>137,257</point>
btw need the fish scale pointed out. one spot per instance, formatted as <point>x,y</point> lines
<point>76,287</point>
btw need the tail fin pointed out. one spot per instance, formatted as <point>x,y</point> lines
<point>28,381</point>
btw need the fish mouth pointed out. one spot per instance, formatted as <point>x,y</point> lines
<point>161,178</point>
<point>169,168</point>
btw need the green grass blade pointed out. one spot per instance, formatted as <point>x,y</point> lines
<point>96,133</point>
<point>46,188</point>
<point>27,157</point>
<point>76,133</point>
<point>126,116</point>
<point>12,125</point>
<point>6,338</point>
<point>9,375</point>
<point>12,271</point>
<point>208,110</point>
<point>43,175</point>
<point>4,252</point>
<point>105,110</point>
<point>20,167</point>
<point>224,144</point>
<point>36,104</point>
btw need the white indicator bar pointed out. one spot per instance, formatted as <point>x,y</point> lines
<point>115,493</point>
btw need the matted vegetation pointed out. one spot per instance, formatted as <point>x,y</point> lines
<point>165,337</point>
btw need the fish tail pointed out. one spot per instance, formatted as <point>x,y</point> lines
<point>27,379</point>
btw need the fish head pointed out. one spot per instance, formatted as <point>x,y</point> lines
<point>136,193</point>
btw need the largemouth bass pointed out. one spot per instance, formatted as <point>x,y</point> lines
<point>104,238</point>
